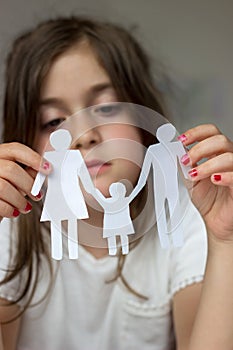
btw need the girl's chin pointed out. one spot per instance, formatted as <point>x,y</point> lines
<point>92,203</point>
<point>103,186</point>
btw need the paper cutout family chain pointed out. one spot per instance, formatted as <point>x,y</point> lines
<point>64,199</point>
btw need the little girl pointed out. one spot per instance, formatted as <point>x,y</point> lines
<point>152,298</point>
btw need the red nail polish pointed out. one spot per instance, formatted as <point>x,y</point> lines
<point>182,138</point>
<point>16,213</point>
<point>185,159</point>
<point>28,207</point>
<point>193,172</point>
<point>217,177</point>
<point>39,195</point>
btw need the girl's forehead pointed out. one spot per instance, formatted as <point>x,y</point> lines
<point>77,79</point>
<point>77,65</point>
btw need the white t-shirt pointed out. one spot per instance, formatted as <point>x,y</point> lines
<point>83,312</point>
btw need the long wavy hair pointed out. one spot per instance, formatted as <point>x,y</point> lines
<point>27,65</point>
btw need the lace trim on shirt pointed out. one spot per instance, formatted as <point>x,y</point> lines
<point>187,282</point>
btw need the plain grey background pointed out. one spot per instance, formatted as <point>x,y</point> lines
<point>192,39</point>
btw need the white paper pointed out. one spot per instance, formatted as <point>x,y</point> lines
<point>117,220</point>
<point>164,157</point>
<point>64,199</point>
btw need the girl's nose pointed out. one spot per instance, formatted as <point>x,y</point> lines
<point>88,139</point>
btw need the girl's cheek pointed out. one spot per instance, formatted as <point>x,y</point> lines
<point>126,131</point>
<point>43,143</point>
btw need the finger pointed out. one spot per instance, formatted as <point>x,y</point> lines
<point>11,198</point>
<point>36,198</point>
<point>20,179</point>
<point>198,133</point>
<point>223,179</point>
<point>16,175</point>
<point>219,164</point>
<point>7,210</point>
<point>31,172</point>
<point>20,153</point>
<point>210,147</point>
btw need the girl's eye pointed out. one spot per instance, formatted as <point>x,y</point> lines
<point>107,110</point>
<point>53,124</point>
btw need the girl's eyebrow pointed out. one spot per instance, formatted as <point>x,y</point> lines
<point>97,89</point>
<point>100,87</point>
<point>52,101</point>
<point>93,91</point>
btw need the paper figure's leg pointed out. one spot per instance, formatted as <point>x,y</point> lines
<point>176,223</point>
<point>73,239</point>
<point>162,225</point>
<point>112,245</point>
<point>56,240</point>
<point>124,244</point>
<point>162,228</point>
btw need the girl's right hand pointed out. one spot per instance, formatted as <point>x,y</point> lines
<point>15,181</point>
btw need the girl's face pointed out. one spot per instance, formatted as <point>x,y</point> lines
<point>77,81</point>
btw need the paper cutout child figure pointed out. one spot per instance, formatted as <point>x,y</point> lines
<point>163,158</point>
<point>64,199</point>
<point>117,220</point>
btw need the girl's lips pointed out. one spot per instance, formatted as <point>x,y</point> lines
<point>97,167</point>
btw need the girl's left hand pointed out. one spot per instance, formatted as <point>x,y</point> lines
<point>212,190</point>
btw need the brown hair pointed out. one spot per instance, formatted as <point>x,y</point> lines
<point>30,59</point>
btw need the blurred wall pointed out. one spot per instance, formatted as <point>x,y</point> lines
<point>193,40</point>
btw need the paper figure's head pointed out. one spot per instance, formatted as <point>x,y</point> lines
<point>60,139</point>
<point>117,189</point>
<point>166,133</point>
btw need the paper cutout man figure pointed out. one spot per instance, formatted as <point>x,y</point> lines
<point>64,199</point>
<point>117,220</point>
<point>163,158</point>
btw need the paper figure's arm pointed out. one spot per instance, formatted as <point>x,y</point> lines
<point>143,175</point>
<point>38,183</point>
<point>86,178</point>
<point>99,197</point>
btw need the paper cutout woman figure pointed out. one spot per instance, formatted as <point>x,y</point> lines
<point>163,159</point>
<point>117,220</point>
<point>64,199</point>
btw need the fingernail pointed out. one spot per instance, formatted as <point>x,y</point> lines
<point>217,177</point>
<point>193,172</point>
<point>16,213</point>
<point>28,207</point>
<point>46,165</point>
<point>39,196</point>
<point>185,159</point>
<point>182,138</point>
